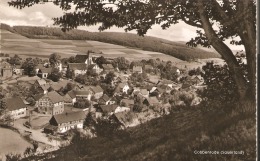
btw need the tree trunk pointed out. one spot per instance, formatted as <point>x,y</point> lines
<point>247,34</point>
<point>224,51</point>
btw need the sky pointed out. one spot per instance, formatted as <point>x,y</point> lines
<point>41,15</point>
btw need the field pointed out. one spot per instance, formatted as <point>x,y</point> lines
<point>12,43</point>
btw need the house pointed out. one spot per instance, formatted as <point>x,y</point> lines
<point>17,70</point>
<point>151,101</point>
<point>15,107</point>
<point>104,100</point>
<point>124,118</point>
<point>44,72</point>
<point>165,88</point>
<point>165,82</point>
<point>122,88</point>
<point>6,70</point>
<point>63,122</point>
<point>35,98</point>
<point>39,82</point>
<point>137,69</point>
<point>107,109</point>
<point>70,98</point>
<point>197,79</point>
<point>96,91</point>
<point>82,94</point>
<point>95,68</point>
<point>84,58</point>
<point>78,68</point>
<point>45,88</point>
<point>121,79</point>
<point>52,103</point>
<point>107,67</point>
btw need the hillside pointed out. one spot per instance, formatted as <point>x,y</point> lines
<point>175,49</point>
<point>172,137</point>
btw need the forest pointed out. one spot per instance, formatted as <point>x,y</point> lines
<point>148,43</point>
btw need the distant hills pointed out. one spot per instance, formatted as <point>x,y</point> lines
<point>176,49</point>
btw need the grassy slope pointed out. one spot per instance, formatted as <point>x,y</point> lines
<point>178,50</point>
<point>173,137</point>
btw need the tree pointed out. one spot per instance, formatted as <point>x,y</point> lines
<point>109,78</point>
<point>223,15</point>
<point>101,60</point>
<point>55,75</point>
<point>29,67</point>
<point>121,63</point>
<point>15,60</point>
<point>54,59</point>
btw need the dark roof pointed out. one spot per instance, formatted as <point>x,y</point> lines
<point>108,108</point>
<point>107,66</point>
<point>185,85</point>
<point>45,87</point>
<point>14,103</point>
<point>105,98</point>
<point>122,117</point>
<point>81,58</point>
<point>67,117</point>
<point>56,86</point>
<point>37,96</point>
<point>77,66</point>
<point>72,94</point>
<point>81,93</point>
<point>45,70</point>
<point>96,89</point>
<point>54,97</point>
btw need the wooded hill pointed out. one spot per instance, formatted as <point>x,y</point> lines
<point>148,43</point>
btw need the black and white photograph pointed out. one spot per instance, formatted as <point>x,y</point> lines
<point>128,80</point>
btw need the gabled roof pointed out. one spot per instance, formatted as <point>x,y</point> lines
<point>160,90</point>
<point>81,58</point>
<point>41,81</point>
<point>45,70</point>
<point>81,93</point>
<point>107,66</point>
<point>105,98</point>
<point>71,94</point>
<point>96,89</point>
<point>56,86</point>
<point>14,103</point>
<point>68,117</point>
<point>45,87</point>
<point>108,108</point>
<point>5,64</point>
<point>37,96</point>
<point>122,117</point>
<point>54,97</point>
<point>77,66</point>
<point>185,85</point>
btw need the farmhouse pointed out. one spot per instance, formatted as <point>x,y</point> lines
<point>78,68</point>
<point>17,70</point>
<point>44,72</point>
<point>63,122</point>
<point>16,107</point>
<point>84,58</point>
<point>96,91</point>
<point>52,103</point>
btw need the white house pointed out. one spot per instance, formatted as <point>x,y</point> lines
<point>122,88</point>
<point>16,107</point>
<point>66,121</point>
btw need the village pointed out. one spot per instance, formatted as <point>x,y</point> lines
<point>45,98</point>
